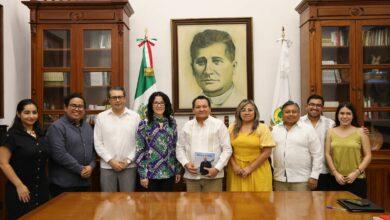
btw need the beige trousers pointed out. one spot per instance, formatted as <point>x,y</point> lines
<point>285,186</point>
<point>204,185</point>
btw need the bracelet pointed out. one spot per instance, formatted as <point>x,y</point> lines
<point>360,171</point>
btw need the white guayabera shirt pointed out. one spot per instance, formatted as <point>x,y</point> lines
<point>298,154</point>
<point>212,137</point>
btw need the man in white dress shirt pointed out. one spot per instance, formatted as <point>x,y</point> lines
<point>298,156</point>
<point>321,124</point>
<point>114,136</point>
<point>203,136</point>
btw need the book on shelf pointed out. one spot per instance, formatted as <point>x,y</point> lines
<point>331,76</point>
<point>335,38</point>
<point>53,76</point>
<point>98,79</point>
<point>331,104</point>
<point>328,62</point>
<point>54,79</point>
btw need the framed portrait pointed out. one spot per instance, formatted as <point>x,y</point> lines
<point>1,65</point>
<point>211,57</point>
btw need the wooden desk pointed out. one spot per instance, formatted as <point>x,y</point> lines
<point>181,205</point>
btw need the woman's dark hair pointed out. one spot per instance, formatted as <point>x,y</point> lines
<point>168,107</point>
<point>18,124</point>
<point>349,106</point>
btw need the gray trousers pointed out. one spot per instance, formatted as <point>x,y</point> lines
<point>109,180</point>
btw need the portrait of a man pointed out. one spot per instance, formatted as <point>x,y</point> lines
<point>213,64</point>
<point>211,58</point>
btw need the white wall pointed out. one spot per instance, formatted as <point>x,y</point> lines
<point>268,19</point>
<point>17,59</point>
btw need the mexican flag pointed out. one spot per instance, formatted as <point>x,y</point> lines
<point>146,81</point>
<point>282,85</point>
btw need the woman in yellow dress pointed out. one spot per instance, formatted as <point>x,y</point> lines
<point>249,169</point>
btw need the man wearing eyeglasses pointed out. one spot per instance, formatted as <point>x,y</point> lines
<point>114,136</point>
<point>72,157</point>
<point>315,119</point>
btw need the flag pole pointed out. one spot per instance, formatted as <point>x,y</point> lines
<point>282,85</point>
<point>146,84</point>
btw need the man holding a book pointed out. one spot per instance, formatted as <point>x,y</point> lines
<point>203,138</point>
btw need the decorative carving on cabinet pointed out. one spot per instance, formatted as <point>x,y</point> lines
<point>120,29</point>
<point>312,89</point>
<point>357,11</point>
<point>312,27</point>
<point>33,29</point>
<point>76,16</point>
<point>33,16</point>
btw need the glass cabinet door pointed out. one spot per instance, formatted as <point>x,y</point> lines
<point>56,68</point>
<point>97,67</point>
<point>376,83</point>
<point>335,69</point>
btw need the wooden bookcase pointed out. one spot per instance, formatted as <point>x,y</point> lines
<point>345,56</point>
<point>77,46</point>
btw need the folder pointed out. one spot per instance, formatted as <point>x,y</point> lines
<point>372,207</point>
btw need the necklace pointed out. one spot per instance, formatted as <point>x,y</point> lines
<point>31,132</point>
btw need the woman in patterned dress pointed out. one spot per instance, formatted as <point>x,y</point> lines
<point>156,139</point>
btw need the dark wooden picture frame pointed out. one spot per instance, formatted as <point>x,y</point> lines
<point>198,68</point>
<point>1,64</point>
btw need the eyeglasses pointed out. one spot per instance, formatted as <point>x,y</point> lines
<point>117,97</point>
<point>76,107</point>
<point>315,105</point>
<point>158,103</point>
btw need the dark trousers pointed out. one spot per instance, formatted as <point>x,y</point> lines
<point>161,185</point>
<point>56,190</point>
<point>324,182</point>
<point>358,187</point>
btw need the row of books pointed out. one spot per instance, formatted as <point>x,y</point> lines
<point>369,102</point>
<point>97,79</point>
<point>55,79</point>
<point>91,79</point>
<point>331,76</point>
<point>53,76</point>
<point>334,38</point>
<point>376,37</point>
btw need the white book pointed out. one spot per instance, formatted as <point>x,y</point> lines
<point>96,78</point>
